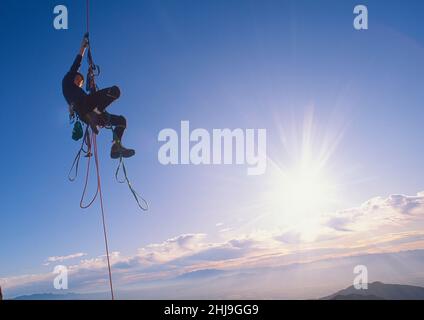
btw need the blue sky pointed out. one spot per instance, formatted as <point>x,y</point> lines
<point>219,64</point>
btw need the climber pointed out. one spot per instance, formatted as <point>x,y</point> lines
<point>91,108</point>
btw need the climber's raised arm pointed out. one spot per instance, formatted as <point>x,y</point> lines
<point>77,62</point>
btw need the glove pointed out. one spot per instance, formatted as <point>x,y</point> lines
<point>85,41</point>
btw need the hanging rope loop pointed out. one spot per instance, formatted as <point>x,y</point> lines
<point>87,151</point>
<point>141,202</point>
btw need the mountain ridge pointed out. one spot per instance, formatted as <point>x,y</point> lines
<point>379,291</point>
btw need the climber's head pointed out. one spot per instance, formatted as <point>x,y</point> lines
<point>79,80</point>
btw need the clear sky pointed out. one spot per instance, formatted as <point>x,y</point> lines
<point>219,64</point>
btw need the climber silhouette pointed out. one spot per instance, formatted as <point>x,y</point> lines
<point>91,108</point>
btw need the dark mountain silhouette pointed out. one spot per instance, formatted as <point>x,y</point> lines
<point>49,296</point>
<point>356,297</point>
<point>65,296</point>
<point>379,291</point>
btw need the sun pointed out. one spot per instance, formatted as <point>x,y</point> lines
<point>302,187</point>
<point>304,191</point>
<point>299,196</point>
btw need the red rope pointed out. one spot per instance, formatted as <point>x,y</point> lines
<point>88,15</point>
<point>92,143</point>
<point>82,206</point>
<point>99,188</point>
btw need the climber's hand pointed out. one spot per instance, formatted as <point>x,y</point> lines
<point>84,43</point>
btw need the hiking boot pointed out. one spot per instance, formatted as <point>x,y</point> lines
<point>118,151</point>
<point>92,121</point>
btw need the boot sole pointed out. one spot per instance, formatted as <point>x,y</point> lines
<point>119,155</point>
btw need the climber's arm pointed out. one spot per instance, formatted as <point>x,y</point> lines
<point>78,60</point>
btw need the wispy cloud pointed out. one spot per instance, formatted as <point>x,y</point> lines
<point>56,259</point>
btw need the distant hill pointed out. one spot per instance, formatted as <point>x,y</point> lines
<point>50,296</point>
<point>379,291</point>
<point>375,291</point>
<point>356,297</point>
<point>65,296</point>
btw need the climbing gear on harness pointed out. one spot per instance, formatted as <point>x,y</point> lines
<point>93,69</point>
<point>72,113</point>
<point>77,131</point>
<point>92,121</point>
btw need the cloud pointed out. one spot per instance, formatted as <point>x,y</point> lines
<point>339,223</point>
<point>64,258</point>
<point>215,254</point>
<point>393,211</point>
<point>379,225</point>
<point>242,243</point>
<point>406,205</point>
<point>289,237</point>
<point>168,259</point>
<point>172,248</point>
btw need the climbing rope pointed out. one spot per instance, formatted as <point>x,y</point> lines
<point>99,185</point>
<point>89,155</point>
<point>88,16</point>
<point>73,173</point>
<point>90,141</point>
<point>99,189</point>
<point>141,202</point>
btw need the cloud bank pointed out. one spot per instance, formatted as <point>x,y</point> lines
<point>379,226</point>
